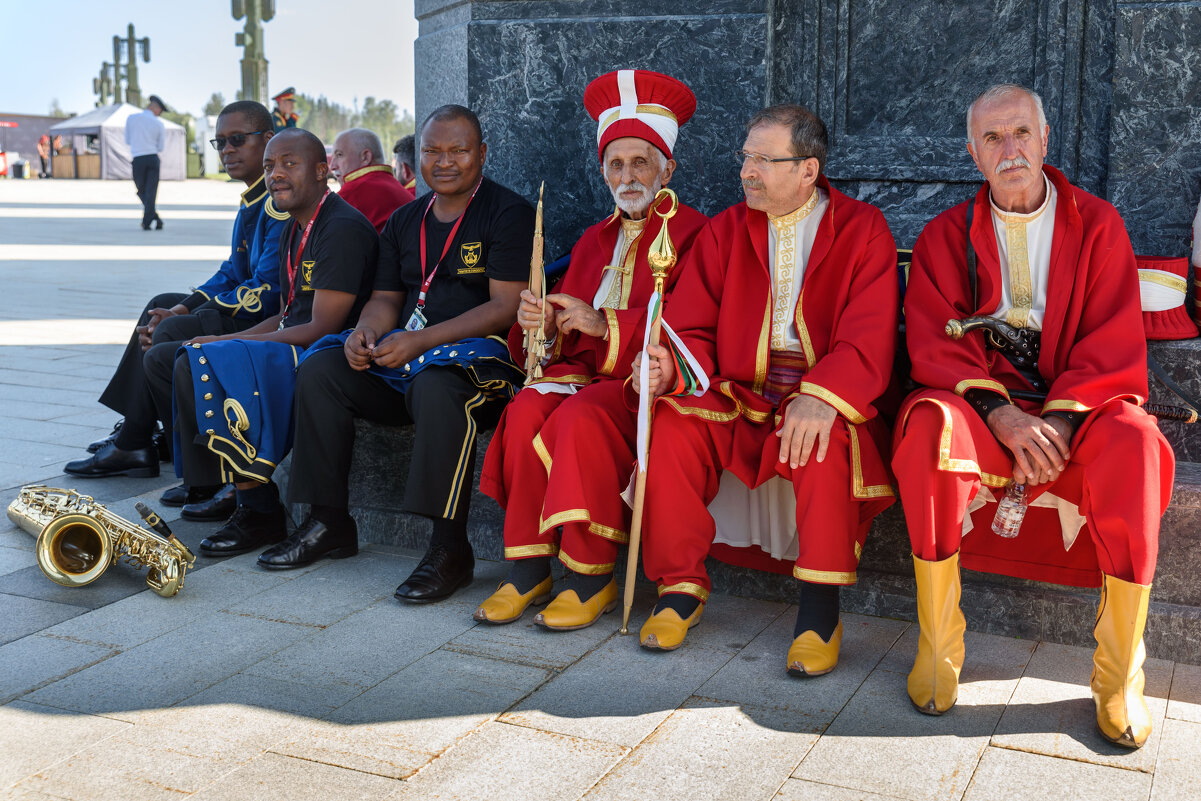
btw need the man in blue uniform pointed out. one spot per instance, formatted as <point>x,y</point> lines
<point>284,114</point>
<point>243,291</point>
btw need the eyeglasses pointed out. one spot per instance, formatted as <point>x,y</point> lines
<point>237,140</point>
<point>759,160</point>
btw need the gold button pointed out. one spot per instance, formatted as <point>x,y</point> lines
<point>209,431</point>
<point>208,396</point>
<point>204,377</point>
<point>196,345</point>
<point>203,360</point>
<point>209,413</point>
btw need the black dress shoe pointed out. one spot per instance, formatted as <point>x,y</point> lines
<point>440,573</point>
<point>312,541</point>
<point>183,494</point>
<point>246,530</point>
<point>158,224</point>
<point>100,443</point>
<point>112,461</point>
<point>162,443</point>
<point>218,507</point>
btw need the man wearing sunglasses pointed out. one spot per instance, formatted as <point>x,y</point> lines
<point>242,292</point>
<point>779,341</point>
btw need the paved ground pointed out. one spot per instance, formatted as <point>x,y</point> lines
<point>317,684</point>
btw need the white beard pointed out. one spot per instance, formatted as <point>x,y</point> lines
<point>642,202</point>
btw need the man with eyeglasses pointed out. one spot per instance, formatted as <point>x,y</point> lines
<point>427,352</point>
<point>367,182</point>
<point>243,291</point>
<point>594,325</point>
<point>780,340</point>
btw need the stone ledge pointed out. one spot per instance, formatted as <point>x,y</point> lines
<point>992,604</point>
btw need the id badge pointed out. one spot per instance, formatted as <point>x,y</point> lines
<point>416,322</point>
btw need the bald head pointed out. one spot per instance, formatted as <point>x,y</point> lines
<point>301,142</point>
<point>354,149</point>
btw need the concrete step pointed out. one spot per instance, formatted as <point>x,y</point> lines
<point>992,604</point>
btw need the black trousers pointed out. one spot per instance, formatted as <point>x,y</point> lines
<point>140,389</point>
<point>445,408</point>
<point>145,179</point>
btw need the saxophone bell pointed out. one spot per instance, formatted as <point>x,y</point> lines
<point>73,550</point>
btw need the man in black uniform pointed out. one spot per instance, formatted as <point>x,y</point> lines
<point>242,292</point>
<point>234,421</point>
<point>452,266</point>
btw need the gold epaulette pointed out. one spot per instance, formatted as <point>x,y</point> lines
<point>279,215</point>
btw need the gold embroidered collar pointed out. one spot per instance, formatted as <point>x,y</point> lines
<point>255,192</point>
<point>359,173</point>
<point>795,216</point>
<point>631,229</point>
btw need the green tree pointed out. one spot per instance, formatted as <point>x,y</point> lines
<point>326,119</point>
<point>214,105</point>
<point>186,120</point>
<point>56,110</point>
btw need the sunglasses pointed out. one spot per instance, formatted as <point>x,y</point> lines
<point>237,140</point>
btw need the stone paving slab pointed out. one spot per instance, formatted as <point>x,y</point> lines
<point>34,737</point>
<point>801,790</point>
<point>1052,710</point>
<point>501,762</point>
<point>404,722</point>
<point>1004,775</point>
<point>1184,703</point>
<point>28,615</point>
<point>37,660</point>
<point>1178,769</point>
<point>272,776</point>
<point>713,751</point>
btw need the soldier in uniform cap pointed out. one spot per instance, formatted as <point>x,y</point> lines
<point>284,114</point>
<point>540,477</point>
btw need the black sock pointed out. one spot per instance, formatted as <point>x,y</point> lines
<point>135,434</point>
<point>261,498</point>
<point>684,605</point>
<point>526,574</point>
<point>450,534</point>
<point>818,610</point>
<point>329,515</point>
<point>586,586</point>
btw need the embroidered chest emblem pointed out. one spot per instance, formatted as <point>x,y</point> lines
<point>306,274</point>
<point>470,253</point>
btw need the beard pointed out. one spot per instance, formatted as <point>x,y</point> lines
<point>640,204</point>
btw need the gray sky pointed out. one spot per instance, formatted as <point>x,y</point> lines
<point>343,49</point>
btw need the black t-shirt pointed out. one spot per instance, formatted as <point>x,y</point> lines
<point>341,255</point>
<point>494,242</point>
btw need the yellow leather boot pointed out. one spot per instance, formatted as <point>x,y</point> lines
<point>1117,682</point>
<point>934,679</point>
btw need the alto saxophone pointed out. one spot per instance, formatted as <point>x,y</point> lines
<point>78,539</point>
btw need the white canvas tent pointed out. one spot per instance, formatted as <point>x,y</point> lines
<point>107,124</point>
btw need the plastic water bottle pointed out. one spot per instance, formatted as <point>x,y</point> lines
<point>1011,511</point>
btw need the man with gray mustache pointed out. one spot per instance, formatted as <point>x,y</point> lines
<point>1055,425</point>
<point>542,466</point>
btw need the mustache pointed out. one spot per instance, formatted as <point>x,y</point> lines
<point>751,183</point>
<point>1015,162</point>
<point>632,186</point>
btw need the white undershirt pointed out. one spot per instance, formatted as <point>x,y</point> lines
<point>798,229</point>
<point>1034,234</point>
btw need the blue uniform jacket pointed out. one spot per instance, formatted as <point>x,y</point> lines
<point>247,284</point>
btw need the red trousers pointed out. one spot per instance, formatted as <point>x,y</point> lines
<point>687,458</point>
<point>563,460</point>
<point>1119,474</point>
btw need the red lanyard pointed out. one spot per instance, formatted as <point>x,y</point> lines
<point>427,280</point>
<point>304,240</point>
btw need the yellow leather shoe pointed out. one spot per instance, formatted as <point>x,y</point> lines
<point>1117,681</point>
<point>568,613</point>
<point>665,630</point>
<point>933,683</point>
<point>810,655</point>
<point>506,604</point>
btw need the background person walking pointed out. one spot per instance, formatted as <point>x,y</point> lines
<point>146,136</point>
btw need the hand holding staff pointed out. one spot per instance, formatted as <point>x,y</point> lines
<point>535,339</point>
<point>662,258</point>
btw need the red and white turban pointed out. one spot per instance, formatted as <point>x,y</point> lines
<point>1163,286</point>
<point>641,103</point>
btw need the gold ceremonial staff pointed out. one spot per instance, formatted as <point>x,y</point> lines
<point>662,258</point>
<point>535,339</point>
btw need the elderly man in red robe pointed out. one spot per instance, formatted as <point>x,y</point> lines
<point>1053,424</point>
<point>781,339</point>
<point>367,182</point>
<point>543,479</point>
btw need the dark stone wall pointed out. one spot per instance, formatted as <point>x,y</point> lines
<point>1121,82</point>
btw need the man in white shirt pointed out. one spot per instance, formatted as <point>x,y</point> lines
<point>146,136</point>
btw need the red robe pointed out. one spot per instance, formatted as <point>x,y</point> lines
<point>721,310</point>
<point>375,192</point>
<point>1094,360</point>
<point>582,494</point>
